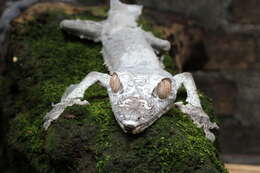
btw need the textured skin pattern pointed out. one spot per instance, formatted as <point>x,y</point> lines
<point>129,52</point>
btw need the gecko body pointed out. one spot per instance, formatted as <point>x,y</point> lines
<point>139,88</point>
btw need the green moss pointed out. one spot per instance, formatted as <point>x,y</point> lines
<point>49,61</point>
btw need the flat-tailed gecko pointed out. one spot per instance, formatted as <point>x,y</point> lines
<point>139,88</point>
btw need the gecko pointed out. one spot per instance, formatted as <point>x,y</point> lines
<point>139,88</point>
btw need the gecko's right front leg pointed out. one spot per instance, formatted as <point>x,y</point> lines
<point>193,107</point>
<point>73,95</point>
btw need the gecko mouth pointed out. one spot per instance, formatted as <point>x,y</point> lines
<point>134,114</point>
<point>132,127</point>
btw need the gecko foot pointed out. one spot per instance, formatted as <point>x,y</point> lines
<point>200,118</point>
<point>58,109</point>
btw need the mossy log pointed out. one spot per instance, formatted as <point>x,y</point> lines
<point>87,139</point>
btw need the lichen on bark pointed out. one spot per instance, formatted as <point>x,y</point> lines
<point>87,138</point>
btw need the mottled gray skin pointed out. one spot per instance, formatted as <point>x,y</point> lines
<point>129,52</point>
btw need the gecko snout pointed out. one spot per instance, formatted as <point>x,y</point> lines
<point>129,126</point>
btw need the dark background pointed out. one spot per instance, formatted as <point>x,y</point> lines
<point>219,42</point>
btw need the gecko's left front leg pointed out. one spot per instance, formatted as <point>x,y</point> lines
<point>73,95</point>
<point>193,107</point>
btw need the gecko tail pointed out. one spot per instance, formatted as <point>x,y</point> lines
<point>130,9</point>
<point>114,3</point>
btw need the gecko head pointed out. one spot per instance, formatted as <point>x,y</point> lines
<point>138,101</point>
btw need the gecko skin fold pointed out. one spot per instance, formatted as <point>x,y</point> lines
<point>139,88</point>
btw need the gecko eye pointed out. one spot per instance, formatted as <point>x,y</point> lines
<point>115,83</point>
<point>163,89</point>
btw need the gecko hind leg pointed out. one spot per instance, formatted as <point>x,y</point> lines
<point>84,29</point>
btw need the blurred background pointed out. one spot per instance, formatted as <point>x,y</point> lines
<point>219,42</point>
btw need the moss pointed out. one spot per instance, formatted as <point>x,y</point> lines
<point>87,138</point>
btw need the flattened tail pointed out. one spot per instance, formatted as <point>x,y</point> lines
<point>130,9</point>
<point>114,3</point>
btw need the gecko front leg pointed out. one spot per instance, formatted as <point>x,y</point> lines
<point>73,95</point>
<point>193,107</point>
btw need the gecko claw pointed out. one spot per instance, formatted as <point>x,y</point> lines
<point>46,124</point>
<point>210,135</point>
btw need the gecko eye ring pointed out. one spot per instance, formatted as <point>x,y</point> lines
<point>115,83</point>
<point>163,89</point>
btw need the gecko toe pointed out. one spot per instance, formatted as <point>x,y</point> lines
<point>46,124</point>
